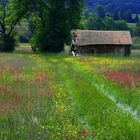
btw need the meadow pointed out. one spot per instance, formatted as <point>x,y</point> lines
<point>136,43</point>
<point>59,97</point>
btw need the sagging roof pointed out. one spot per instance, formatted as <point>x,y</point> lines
<point>95,37</point>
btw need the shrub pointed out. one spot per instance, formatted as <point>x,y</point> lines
<point>7,44</point>
<point>137,29</point>
<point>121,25</point>
<point>47,41</point>
<point>23,39</point>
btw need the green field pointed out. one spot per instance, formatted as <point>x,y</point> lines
<point>136,43</point>
<point>131,25</point>
<point>50,97</point>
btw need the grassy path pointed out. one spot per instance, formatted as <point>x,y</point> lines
<point>97,113</point>
<point>126,97</point>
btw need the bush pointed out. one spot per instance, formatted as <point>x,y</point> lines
<point>23,39</point>
<point>2,48</point>
<point>95,23</point>
<point>109,23</point>
<point>137,29</point>
<point>121,25</point>
<point>47,41</point>
<point>8,44</point>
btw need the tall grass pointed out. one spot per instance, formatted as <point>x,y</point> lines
<point>59,97</point>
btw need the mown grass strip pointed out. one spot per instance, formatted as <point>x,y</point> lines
<point>125,98</point>
<point>99,112</point>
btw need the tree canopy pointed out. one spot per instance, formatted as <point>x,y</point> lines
<point>53,20</point>
<point>108,23</point>
<point>11,12</point>
<point>118,9</point>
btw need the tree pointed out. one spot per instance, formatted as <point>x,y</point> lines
<point>99,11</point>
<point>95,23</point>
<point>90,23</point>
<point>86,14</point>
<point>55,20</point>
<point>137,29</point>
<point>109,23</point>
<point>122,15</point>
<point>116,15</point>
<point>121,25</point>
<point>136,19</point>
<point>129,16</point>
<point>10,16</point>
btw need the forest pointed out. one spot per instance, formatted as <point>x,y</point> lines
<point>122,9</point>
<point>113,5</point>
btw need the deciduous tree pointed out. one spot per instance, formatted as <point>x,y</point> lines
<point>99,11</point>
<point>109,23</point>
<point>54,20</point>
<point>10,15</point>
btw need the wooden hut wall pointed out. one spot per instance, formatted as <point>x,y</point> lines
<point>97,49</point>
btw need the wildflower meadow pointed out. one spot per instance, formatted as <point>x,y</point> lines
<point>58,97</point>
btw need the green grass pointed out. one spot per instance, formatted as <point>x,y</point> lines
<point>136,43</point>
<point>98,113</point>
<point>61,97</point>
<point>24,48</point>
<point>131,25</point>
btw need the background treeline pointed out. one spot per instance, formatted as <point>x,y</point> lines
<point>107,23</point>
<point>118,9</point>
<point>91,22</point>
<point>100,16</point>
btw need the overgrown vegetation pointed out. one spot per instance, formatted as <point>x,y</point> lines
<point>59,97</point>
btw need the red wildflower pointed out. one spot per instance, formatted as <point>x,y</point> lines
<point>84,133</point>
<point>122,77</point>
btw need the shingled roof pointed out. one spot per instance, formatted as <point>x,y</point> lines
<point>95,37</point>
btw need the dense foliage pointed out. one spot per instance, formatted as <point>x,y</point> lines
<point>113,5</point>
<point>52,21</point>
<point>107,23</point>
<point>137,30</point>
<point>118,9</point>
<point>55,20</point>
<point>11,13</point>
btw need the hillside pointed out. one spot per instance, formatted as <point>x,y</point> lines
<point>113,5</point>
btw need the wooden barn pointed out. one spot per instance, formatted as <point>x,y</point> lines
<point>95,42</point>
